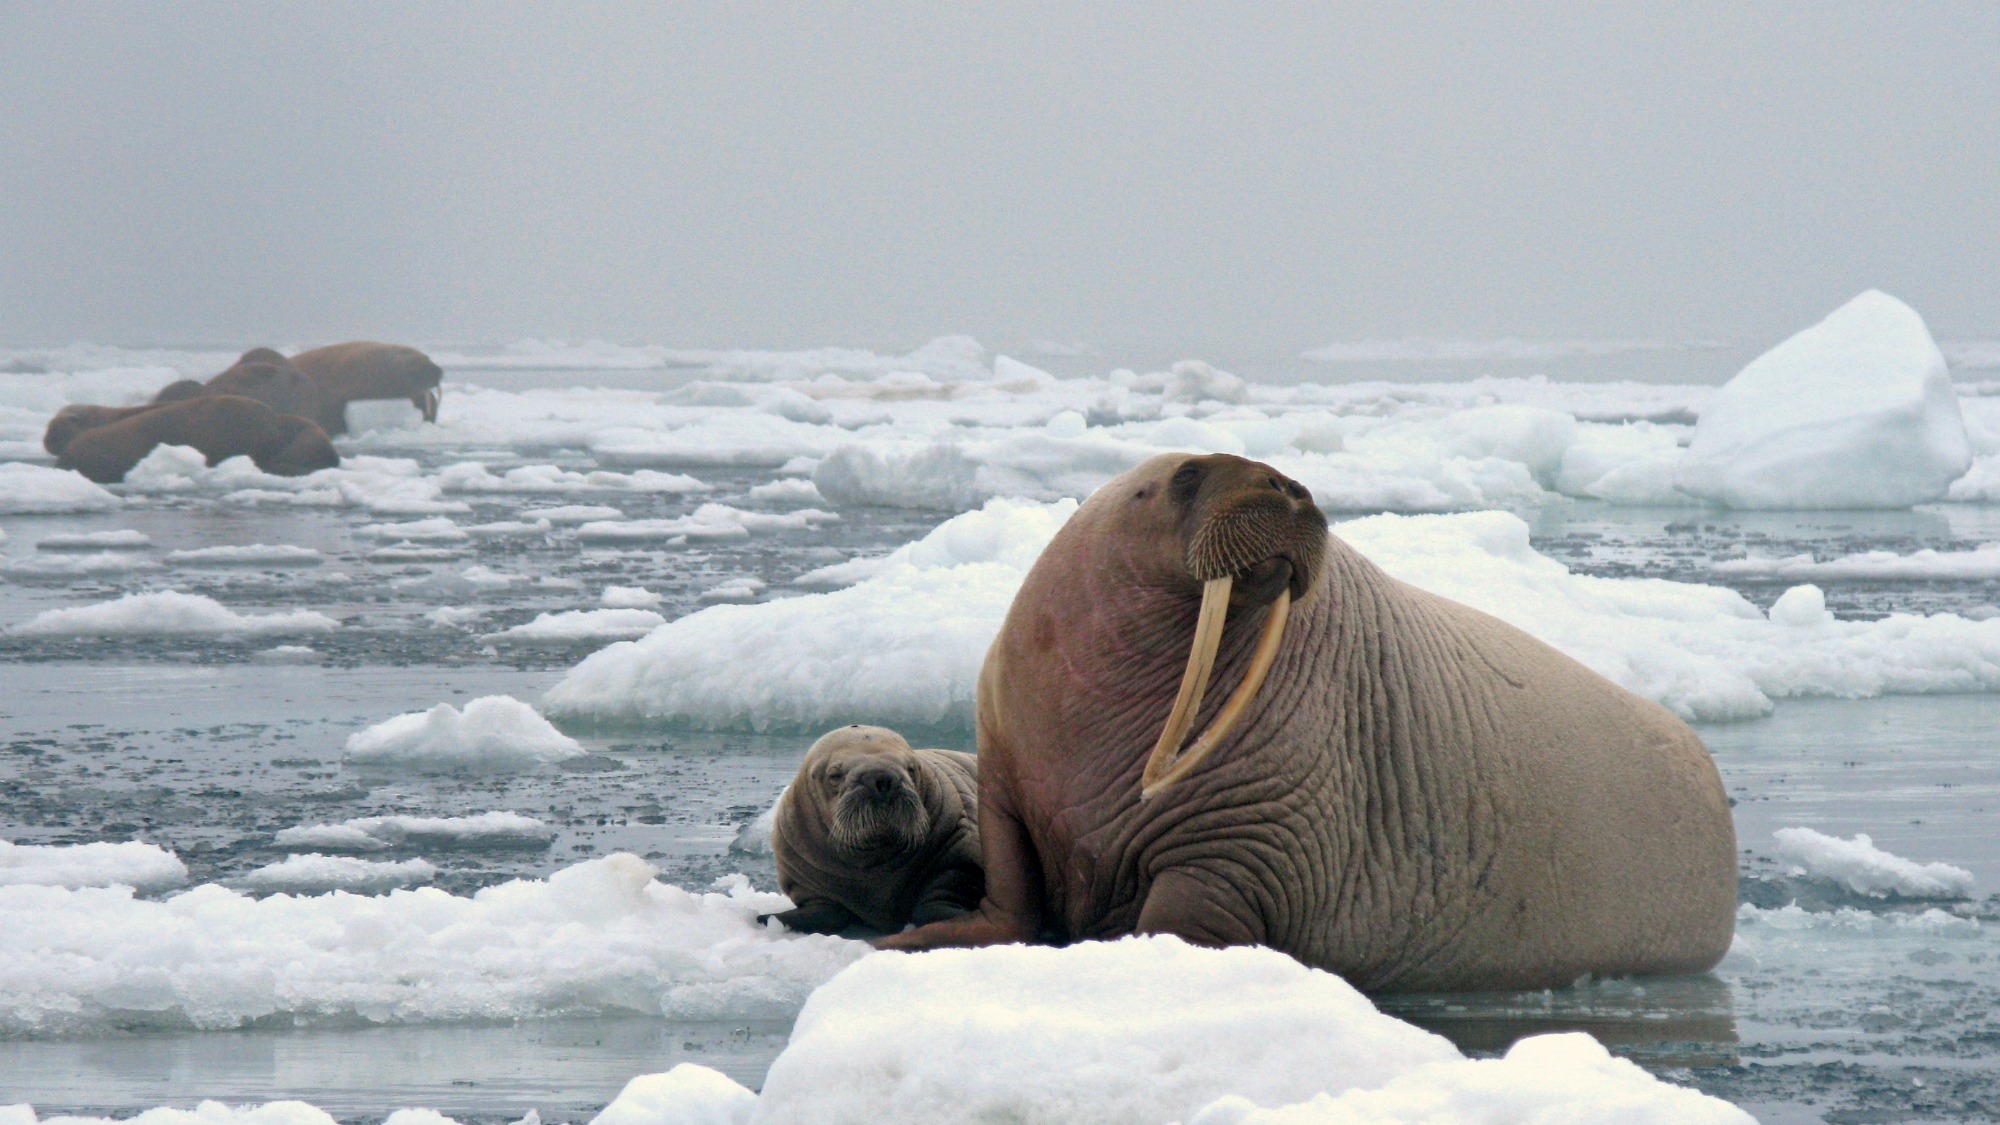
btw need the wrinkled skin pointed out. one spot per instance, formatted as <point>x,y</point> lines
<point>875,834</point>
<point>1419,797</point>
<point>363,369</point>
<point>219,426</point>
<point>267,376</point>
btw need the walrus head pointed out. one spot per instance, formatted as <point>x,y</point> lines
<point>866,780</point>
<point>72,420</point>
<point>1250,537</point>
<point>297,447</point>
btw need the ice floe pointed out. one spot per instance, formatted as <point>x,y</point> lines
<point>1979,564</point>
<point>1857,411</point>
<point>251,554</point>
<point>170,613</point>
<point>630,597</point>
<point>734,590</point>
<point>317,874</point>
<point>497,829</point>
<point>573,513</point>
<point>124,539</point>
<point>136,864</point>
<point>438,529</point>
<point>65,565</point>
<point>598,938</point>
<point>1866,869</point>
<point>710,521</point>
<point>495,733</point>
<point>471,476</point>
<point>689,1094</point>
<point>37,489</point>
<point>904,642</point>
<point>575,626</point>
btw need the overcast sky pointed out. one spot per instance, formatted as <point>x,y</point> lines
<point>1216,177</point>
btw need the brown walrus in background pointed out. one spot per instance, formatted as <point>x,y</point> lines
<point>363,369</point>
<point>1398,788</point>
<point>75,418</point>
<point>220,426</point>
<point>267,376</point>
<point>871,831</point>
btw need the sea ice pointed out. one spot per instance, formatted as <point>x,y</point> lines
<point>754,838</point>
<point>630,597</point>
<point>599,938</point>
<point>35,489</point>
<point>1866,869</point>
<point>743,589</point>
<point>65,565</point>
<point>689,1094</point>
<point>471,476</point>
<point>573,513</point>
<point>710,521</point>
<point>170,613</point>
<point>142,866</point>
<point>787,491</point>
<point>437,529</point>
<point>575,626</point>
<point>317,874</point>
<point>494,733</point>
<point>124,539</point>
<point>1857,411</point>
<point>487,830</point>
<point>254,554</point>
<point>1981,564</point>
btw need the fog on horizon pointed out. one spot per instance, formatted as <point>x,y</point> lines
<point>1196,177</point>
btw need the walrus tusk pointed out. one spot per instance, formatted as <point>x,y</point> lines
<point>1163,768</point>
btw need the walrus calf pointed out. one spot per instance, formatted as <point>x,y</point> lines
<point>363,369</point>
<point>220,426</point>
<point>873,832</point>
<point>1394,787</point>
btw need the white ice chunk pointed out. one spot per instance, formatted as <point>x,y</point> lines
<point>494,733</point>
<point>406,551</point>
<point>146,867</point>
<point>599,938</point>
<point>124,539</point>
<point>1981,564</point>
<point>744,589</point>
<point>689,1094</point>
<point>33,489</point>
<point>710,521</point>
<point>754,838</point>
<point>507,529</point>
<point>1867,869</point>
<point>1980,484</point>
<point>471,476</point>
<point>170,613</point>
<point>578,625</point>
<point>789,490</point>
<point>254,554</point>
<point>1629,463</point>
<point>1857,411</point>
<point>630,597</point>
<point>204,1113</point>
<point>573,513</point>
<point>317,874</point>
<point>77,566</point>
<point>375,833</point>
<point>286,654</point>
<point>1568,1078</point>
<point>435,530</point>
<point>902,647</point>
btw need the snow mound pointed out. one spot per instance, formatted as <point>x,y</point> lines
<point>1568,1078</point>
<point>317,874</point>
<point>170,613</point>
<point>630,597</point>
<point>1857,411</point>
<point>574,626</point>
<point>1152,1030</point>
<point>598,938</point>
<point>36,489</point>
<point>689,1094</point>
<point>125,539</point>
<point>1867,869</point>
<point>253,554</point>
<point>143,866</point>
<point>904,646</point>
<point>494,733</point>
<point>378,833</point>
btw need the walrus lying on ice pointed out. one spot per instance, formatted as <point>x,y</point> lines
<point>220,426</point>
<point>873,832</point>
<point>363,369</point>
<point>260,373</point>
<point>1394,787</point>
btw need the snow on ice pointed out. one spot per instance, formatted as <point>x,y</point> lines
<point>316,874</point>
<point>142,866</point>
<point>170,613</point>
<point>1857,411</point>
<point>1866,869</point>
<point>495,733</point>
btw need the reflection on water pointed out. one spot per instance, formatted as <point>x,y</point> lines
<point>1684,1021</point>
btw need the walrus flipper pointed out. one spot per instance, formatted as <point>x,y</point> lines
<point>819,916</point>
<point>956,890</point>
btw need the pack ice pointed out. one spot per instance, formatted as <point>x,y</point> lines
<point>495,733</point>
<point>1857,411</point>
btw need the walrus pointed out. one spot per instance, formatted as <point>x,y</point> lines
<point>1390,785</point>
<point>220,426</point>
<point>363,369</point>
<point>179,390</point>
<point>267,376</point>
<point>77,417</point>
<point>875,833</point>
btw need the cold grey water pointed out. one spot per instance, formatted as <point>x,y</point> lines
<point>1835,1005</point>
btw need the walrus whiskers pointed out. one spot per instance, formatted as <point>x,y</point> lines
<point>1163,767</point>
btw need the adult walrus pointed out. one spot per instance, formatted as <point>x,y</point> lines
<point>363,369</point>
<point>1397,788</point>
<point>267,376</point>
<point>220,426</point>
<point>871,831</point>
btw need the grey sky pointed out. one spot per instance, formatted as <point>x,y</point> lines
<point>1201,177</point>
